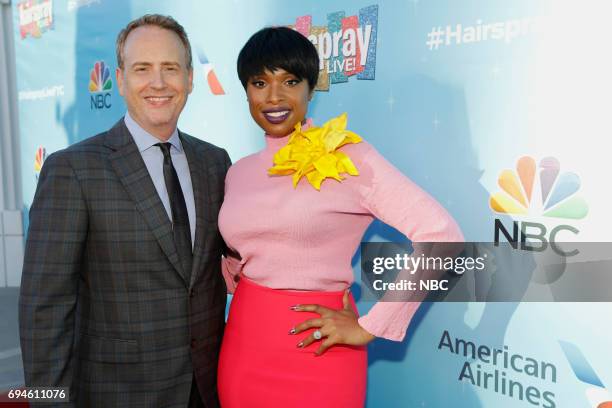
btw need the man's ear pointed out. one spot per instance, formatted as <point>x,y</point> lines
<point>190,80</point>
<point>119,77</point>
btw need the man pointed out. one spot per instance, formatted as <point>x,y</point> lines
<point>122,297</point>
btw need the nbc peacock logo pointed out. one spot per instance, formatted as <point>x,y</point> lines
<point>100,85</point>
<point>99,78</point>
<point>540,190</point>
<point>41,156</point>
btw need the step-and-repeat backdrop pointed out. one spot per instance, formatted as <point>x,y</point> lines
<point>499,109</point>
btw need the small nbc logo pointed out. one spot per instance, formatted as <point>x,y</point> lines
<point>41,156</point>
<point>211,77</point>
<point>99,79</point>
<point>557,191</point>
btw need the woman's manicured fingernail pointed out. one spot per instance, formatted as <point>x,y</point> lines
<point>292,331</point>
<point>294,307</point>
<point>300,344</point>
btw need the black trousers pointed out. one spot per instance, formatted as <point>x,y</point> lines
<point>195,401</point>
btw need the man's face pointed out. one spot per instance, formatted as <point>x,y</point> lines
<point>155,80</point>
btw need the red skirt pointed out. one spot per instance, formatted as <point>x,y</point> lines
<point>261,366</point>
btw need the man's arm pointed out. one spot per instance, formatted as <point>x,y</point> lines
<point>49,282</point>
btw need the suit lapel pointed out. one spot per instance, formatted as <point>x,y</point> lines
<point>199,181</point>
<point>131,170</point>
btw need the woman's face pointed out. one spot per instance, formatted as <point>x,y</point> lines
<point>278,100</point>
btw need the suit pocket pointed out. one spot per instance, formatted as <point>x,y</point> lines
<point>108,350</point>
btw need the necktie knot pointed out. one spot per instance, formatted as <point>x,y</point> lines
<point>165,148</point>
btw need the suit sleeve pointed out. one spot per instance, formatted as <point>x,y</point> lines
<point>50,276</point>
<point>227,160</point>
<point>230,263</point>
<point>394,199</point>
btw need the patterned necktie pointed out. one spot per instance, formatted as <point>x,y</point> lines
<point>180,218</point>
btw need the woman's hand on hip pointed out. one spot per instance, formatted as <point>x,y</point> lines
<point>333,326</point>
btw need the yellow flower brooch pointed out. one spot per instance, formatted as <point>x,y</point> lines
<point>314,153</point>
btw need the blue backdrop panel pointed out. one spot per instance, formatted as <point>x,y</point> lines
<point>453,93</point>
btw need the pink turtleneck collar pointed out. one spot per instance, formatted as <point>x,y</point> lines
<point>273,143</point>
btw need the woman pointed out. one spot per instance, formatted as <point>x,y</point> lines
<point>293,337</point>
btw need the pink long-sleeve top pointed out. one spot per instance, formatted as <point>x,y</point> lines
<point>304,239</point>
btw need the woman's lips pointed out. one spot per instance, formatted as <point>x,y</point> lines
<point>276,116</point>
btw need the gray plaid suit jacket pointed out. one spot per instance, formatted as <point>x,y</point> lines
<point>105,308</point>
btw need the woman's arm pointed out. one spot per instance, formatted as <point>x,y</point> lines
<point>394,199</point>
<point>231,268</point>
<point>390,196</point>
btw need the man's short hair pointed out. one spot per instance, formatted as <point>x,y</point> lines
<point>156,20</point>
